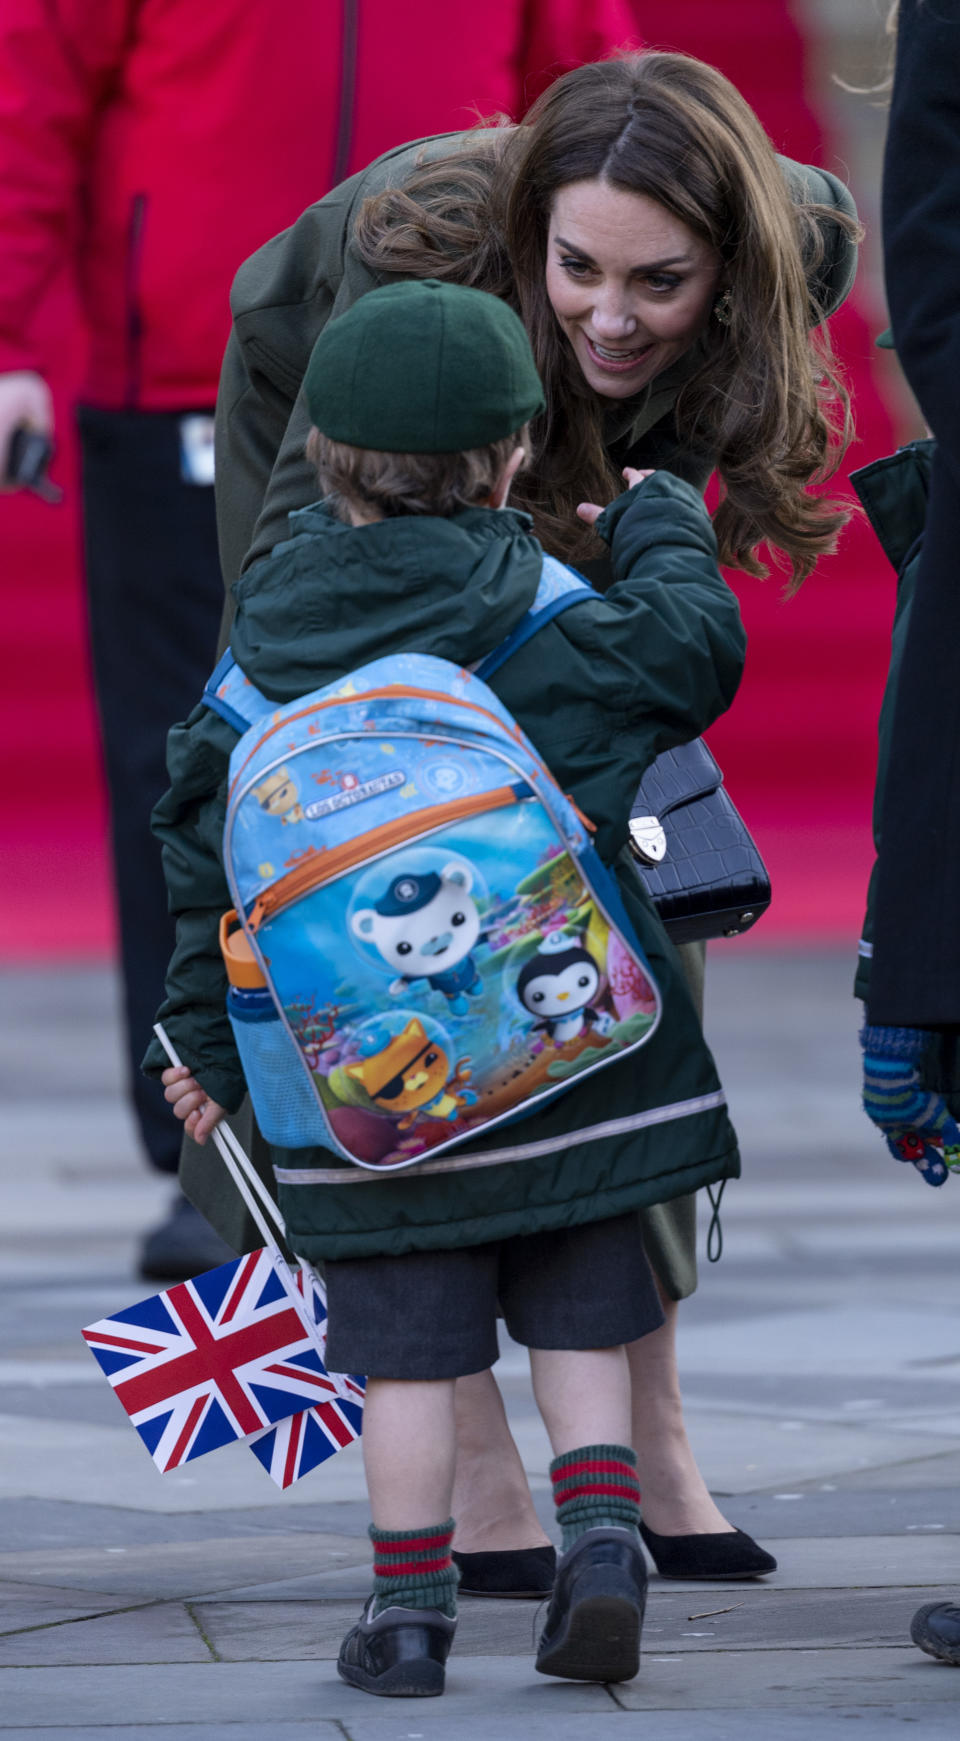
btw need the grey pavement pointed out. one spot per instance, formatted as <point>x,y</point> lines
<point>820,1363</point>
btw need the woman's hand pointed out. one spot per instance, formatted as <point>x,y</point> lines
<point>591,513</point>
<point>199,1113</point>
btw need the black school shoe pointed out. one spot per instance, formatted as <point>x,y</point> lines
<point>593,1625</point>
<point>936,1628</point>
<point>516,1573</point>
<point>400,1654</point>
<point>732,1554</point>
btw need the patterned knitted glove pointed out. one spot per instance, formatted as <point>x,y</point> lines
<point>917,1124</point>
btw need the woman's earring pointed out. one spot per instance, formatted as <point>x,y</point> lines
<point>723,308</point>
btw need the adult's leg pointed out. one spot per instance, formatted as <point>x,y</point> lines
<point>675,1497</point>
<point>154,596</point>
<point>491,1497</point>
<point>674,1494</point>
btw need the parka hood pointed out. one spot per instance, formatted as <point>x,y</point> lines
<point>453,588</point>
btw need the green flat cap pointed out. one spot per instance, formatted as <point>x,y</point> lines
<point>423,367</point>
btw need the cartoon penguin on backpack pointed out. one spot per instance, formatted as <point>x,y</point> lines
<point>557,985</point>
<point>427,925</point>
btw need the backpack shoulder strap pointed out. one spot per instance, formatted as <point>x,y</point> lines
<point>230,693</point>
<point>558,589</point>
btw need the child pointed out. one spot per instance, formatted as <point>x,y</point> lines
<point>420,396</point>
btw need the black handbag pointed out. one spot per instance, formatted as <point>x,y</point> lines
<point>693,849</point>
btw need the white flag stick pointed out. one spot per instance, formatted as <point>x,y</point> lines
<point>244,1175</point>
<point>252,1176</point>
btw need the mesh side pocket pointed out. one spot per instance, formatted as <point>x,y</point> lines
<point>287,1108</point>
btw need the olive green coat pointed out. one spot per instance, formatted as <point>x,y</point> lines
<point>601,690</point>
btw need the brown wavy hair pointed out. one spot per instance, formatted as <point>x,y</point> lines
<point>764,404</point>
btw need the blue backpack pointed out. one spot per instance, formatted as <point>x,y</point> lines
<point>424,942</point>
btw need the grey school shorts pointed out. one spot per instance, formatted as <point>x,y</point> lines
<point>433,1314</point>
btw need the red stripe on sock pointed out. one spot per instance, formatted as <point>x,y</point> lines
<point>409,1544</point>
<point>589,1467</point>
<point>408,1568</point>
<point>606,1490</point>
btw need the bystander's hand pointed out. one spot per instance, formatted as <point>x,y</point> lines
<point>917,1124</point>
<point>199,1113</point>
<point>591,513</point>
<point>25,403</point>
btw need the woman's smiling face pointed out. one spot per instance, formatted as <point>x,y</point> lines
<point>630,284</point>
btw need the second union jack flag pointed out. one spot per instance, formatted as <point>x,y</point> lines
<point>298,1444</point>
<point>213,1360</point>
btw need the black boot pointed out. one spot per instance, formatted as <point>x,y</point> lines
<point>400,1654</point>
<point>936,1628</point>
<point>593,1625</point>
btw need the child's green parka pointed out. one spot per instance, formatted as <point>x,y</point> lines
<point>601,690</point>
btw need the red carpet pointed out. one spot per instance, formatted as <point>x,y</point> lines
<point>797,749</point>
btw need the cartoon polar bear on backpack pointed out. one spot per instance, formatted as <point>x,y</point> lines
<point>426,925</point>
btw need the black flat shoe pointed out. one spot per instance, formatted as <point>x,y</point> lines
<point>936,1628</point>
<point>514,1572</point>
<point>731,1554</point>
<point>399,1655</point>
<point>593,1625</point>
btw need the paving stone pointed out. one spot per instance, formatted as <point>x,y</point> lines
<point>91,1405</point>
<point>66,1461</point>
<point>349,1582</point>
<point>910,1561</point>
<point>868,1724</point>
<point>860,1562</point>
<point>769,1619</point>
<point>739,1452</point>
<point>307,1730</point>
<point>931,1473</point>
<point>34,1523</point>
<point>845,1511</point>
<point>310,1631</point>
<point>37,1604</point>
<point>306,1630</point>
<point>161,1632</point>
<point>184,1569</point>
<point>777,1680</point>
<point>273,1693</point>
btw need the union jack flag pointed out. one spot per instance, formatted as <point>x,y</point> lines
<point>298,1444</point>
<point>213,1360</point>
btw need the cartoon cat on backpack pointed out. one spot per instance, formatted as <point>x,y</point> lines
<point>411,1075</point>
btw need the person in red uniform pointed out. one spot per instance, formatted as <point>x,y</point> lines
<point>151,145</point>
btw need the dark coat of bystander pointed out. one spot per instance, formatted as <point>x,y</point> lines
<point>915,976</point>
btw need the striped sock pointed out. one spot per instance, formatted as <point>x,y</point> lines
<point>412,1568</point>
<point>595,1487</point>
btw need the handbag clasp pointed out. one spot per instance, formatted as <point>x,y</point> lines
<point>648,842</point>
